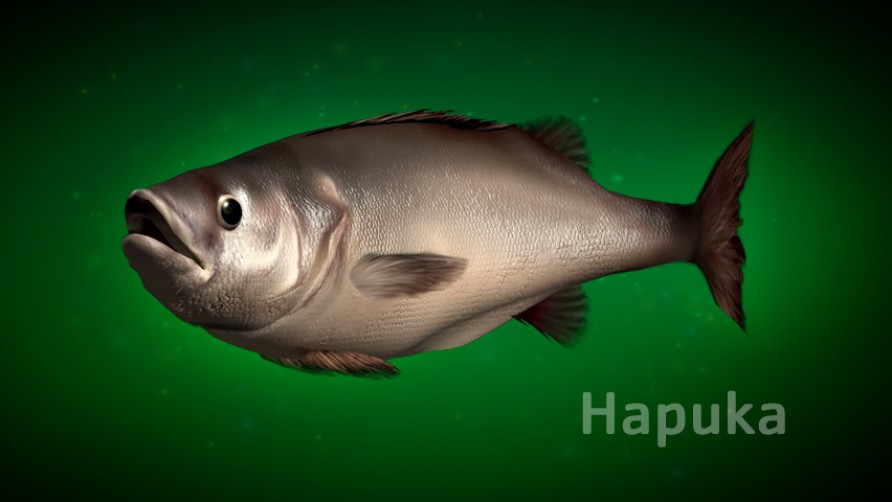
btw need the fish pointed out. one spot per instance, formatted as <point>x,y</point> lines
<point>336,250</point>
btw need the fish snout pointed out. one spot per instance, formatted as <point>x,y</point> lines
<point>148,215</point>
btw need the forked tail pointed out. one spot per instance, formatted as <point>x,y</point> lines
<point>720,255</point>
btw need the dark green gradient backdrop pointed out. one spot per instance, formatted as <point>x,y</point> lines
<point>106,393</point>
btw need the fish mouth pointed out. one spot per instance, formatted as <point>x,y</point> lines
<point>149,217</point>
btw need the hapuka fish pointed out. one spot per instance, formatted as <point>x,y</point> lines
<point>338,249</point>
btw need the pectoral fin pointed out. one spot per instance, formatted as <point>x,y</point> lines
<point>329,361</point>
<point>393,275</point>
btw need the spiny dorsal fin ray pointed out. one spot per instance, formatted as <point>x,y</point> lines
<point>562,135</point>
<point>560,317</point>
<point>445,117</point>
<point>334,362</point>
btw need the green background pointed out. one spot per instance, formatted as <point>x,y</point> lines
<point>107,393</point>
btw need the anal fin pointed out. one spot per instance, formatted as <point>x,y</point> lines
<point>560,317</point>
<point>337,362</point>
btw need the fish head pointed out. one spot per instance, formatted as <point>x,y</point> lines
<point>217,246</point>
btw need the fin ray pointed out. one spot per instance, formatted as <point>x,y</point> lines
<point>389,276</point>
<point>445,117</point>
<point>337,362</point>
<point>562,135</point>
<point>721,255</point>
<point>560,317</point>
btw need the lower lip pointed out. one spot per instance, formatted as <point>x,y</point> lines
<point>140,248</point>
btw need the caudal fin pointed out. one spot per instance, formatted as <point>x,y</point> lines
<point>721,254</point>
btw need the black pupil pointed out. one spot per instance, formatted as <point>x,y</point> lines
<point>231,211</point>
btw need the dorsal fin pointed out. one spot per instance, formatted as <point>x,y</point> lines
<point>560,317</point>
<point>561,134</point>
<point>445,117</point>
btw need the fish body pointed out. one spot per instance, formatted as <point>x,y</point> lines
<point>338,249</point>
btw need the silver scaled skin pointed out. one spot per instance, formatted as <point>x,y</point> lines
<point>338,249</point>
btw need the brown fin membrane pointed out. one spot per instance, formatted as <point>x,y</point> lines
<point>335,362</point>
<point>393,275</point>
<point>563,136</point>
<point>721,255</point>
<point>560,317</point>
<point>445,117</point>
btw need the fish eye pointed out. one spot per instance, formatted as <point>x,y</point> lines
<point>229,212</point>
